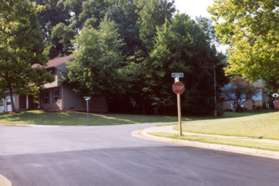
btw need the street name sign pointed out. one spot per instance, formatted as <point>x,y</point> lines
<point>177,75</point>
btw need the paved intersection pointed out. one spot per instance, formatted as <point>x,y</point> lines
<point>109,155</point>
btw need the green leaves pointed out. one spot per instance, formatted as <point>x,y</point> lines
<point>21,46</point>
<point>181,45</point>
<point>153,14</point>
<point>251,28</point>
<point>125,50</point>
<point>62,35</point>
<point>99,57</point>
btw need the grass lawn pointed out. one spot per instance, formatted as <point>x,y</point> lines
<point>250,143</point>
<point>265,125</point>
<point>252,130</point>
<point>76,118</point>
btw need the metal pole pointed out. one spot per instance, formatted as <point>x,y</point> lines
<point>179,115</point>
<point>215,91</point>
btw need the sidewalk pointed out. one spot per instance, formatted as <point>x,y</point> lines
<point>168,132</point>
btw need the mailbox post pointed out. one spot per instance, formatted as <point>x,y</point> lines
<point>87,99</point>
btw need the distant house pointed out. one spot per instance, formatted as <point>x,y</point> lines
<point>255,98</point>
<point>5,103</point>
<point>54,96</point>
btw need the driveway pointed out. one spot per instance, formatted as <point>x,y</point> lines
<point>110,156</point>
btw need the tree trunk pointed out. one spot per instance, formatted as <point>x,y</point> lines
<point>11,96</point>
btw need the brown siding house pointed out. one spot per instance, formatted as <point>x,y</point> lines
<point>56,96</point>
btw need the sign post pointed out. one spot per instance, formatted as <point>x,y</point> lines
<point>179,114</point>
<point>178,88</point>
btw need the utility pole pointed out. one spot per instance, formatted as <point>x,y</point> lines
<point>215,90</point>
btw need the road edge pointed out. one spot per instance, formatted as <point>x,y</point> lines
<point>4,181</point>
<point>143,134</point>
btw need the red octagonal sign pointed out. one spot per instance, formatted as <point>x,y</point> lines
<point>178,88</point>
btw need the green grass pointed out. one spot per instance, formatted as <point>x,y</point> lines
<point>265,125</point>
<point>77,118</point>
<point>256,144</point>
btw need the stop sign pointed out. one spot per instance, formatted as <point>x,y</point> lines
<point>178,88</point>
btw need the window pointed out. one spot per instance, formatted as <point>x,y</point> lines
<point>56,94</point>
<point>46,98</point>
<point>8,100</point>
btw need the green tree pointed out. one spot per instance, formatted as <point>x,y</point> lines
<point>21,46</point>
<point>97,60</point>
<point>62,20</point>
<point>124,14</point>
<point>150,50</point>
<point>55,19</point>
<point>251,29</point>
<point>153,13</point>
<point>61,37</point>
<point>181,45</point>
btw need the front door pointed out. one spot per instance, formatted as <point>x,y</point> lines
<point>23,102</point>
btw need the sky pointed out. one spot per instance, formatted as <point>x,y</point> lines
<point>193,8</point>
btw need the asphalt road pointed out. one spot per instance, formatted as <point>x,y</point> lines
<point>110,156</point>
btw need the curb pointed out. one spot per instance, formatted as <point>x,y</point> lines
<point>4,181</point>
<point>32,125</point>
<point>56,126</point>
<point>143,134</point>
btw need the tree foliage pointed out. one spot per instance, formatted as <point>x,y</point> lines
<point>153,45</point>
<point>153,14</point>
<point>55,22</point>
<point>251,29</point>
<point>182,46</point>
<point>97,59</point>
<point>21,46</point>
<point>126,51</point>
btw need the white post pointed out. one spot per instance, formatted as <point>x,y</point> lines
<point>87,99</point>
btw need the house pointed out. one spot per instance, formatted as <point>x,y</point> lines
<point>55,96</point>
<point>5,103</point>
<point>249,96</point>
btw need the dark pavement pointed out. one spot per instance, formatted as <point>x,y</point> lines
<point>110,156</point>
